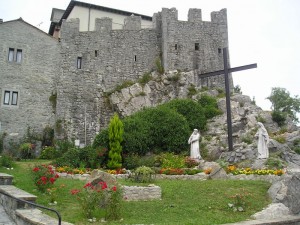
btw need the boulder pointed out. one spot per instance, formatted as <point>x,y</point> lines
<point>98,176</point>
<point>287,192</point>
<point>273,211</point>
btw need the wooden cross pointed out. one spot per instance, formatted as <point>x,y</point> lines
<point>226,71</point>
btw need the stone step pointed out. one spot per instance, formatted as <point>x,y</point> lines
<point>37,217</point>
<point>6,179</point>
<point>10,204</point>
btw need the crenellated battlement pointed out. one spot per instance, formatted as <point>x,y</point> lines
<point>97,60</point>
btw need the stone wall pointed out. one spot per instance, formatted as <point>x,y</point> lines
<point>83,66</point>
<point>33,78</point>
<point>135,193</point>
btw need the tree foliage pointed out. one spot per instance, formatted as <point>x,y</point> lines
<point>115,131</point>
<point>283,104</point>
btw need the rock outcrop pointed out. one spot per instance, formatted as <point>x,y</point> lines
<point>245,115</point>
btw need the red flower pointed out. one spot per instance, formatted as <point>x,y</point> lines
<point>114,188</point>
<point>74,192</point>
<point>52,180</point>
<point>87,185</point>
<point>36,169</point>
<point>56,176</point>
<point>103,185</point>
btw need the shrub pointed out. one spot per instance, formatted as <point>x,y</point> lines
<point>274,163</point>
<point>191,91</point>
<point>191,110</point>
<point>26,151</point>
<point>145,79</point>
<point>281,139</point>
<point>143,174</point>
<point>6,161</point>
<point>63,146</point>
<point>70,158</point>
<point>116,130</point>
<point>278,117</point>
<point>49,152</point>
<point>131,161</point>
<point>210,106</point>
<point>164,130</point>
<point>101,139</point>
<point>136,135</point>
<point>93,197</point>
<point>247,138</point>
<point>190,163</point>
<point>170,160</point>
<point>43,177</point>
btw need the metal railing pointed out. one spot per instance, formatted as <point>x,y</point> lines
<point>36,205</point>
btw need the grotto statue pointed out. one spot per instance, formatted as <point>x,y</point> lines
<point>263,141</point>
<point>194,141</point>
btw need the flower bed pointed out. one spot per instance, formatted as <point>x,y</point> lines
<point>248,171</point>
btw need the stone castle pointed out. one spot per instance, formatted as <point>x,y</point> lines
<point>61,79</point>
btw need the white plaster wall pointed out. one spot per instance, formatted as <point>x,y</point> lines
<point>83,14</point>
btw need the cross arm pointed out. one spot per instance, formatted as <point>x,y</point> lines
<point>230,70</point>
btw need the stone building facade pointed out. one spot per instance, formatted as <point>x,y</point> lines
<point>28,60</point>
<point>80,67</point>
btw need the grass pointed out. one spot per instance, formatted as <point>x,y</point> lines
<point>183,202</point>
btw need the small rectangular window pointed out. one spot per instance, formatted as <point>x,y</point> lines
<point>219,50</point>
<point>14,98</point>
<point>197,46</point>
<point>176,46</point>
<point>6,98</point>
<point>10,98</point>
<point>135,58</point>
<point>10,54</point>
<point>79,62</point>
<point>96,53</point>
<point>19,56</point>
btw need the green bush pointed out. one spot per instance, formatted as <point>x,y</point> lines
<point>279,117</point>
<point>143,174</point>
<point>70,158</point>
<point>115,135</point>
<point>49,152</point>
<point>169,130</point>
<point>191,91</point>
<point>275,163</point>
<point>297,149</point>
<point>6,161</point>
<point>170,160</point>
<point>63,145</point>
<point>132,161</point>
<point>26,151</point>
<point>136,135</point>
<point>210,106</point>
<point>191,110</point>
<point>101,139</point>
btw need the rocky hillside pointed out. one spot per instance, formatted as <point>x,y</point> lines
<point>245,115</point>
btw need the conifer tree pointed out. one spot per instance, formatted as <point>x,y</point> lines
<point>116,130</point>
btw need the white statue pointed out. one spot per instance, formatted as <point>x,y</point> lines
<point>194,141</point>
<point>263,141</point>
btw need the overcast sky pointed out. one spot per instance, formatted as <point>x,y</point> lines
<point>266,32</point>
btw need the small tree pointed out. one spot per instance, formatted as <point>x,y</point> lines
<point>116,131</point>
<point>283,104</point>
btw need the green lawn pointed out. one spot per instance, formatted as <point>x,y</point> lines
<point>183,202</point>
